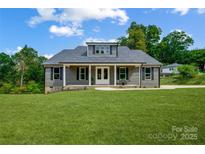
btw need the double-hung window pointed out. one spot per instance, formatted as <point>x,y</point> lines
<point>122,73</point>
<point>82,74</point>
<point>102,49</point>
<point>97,50</point>
<point>148,73</point>
<point>56,73</point>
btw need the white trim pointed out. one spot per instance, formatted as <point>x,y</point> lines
<point>115,75</point>
<point>99,43</point>
<point>64,75</point>
<point>89,75</point>
<point>123,73</point>
<point>103,64</point>
<point>140,74</point>
<point>148,73</point>
<point>104,49</point>
<point>99,64</point>
<point>80,73</point>
<point>56,73</point>
<point>102,80</point>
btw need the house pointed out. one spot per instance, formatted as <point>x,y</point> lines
<point>170,69</point>
<point>101,64</point>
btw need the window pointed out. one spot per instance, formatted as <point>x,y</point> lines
<point>147,73</point>
<point>97,50</point>
<point>105,73</point>
<point>99,74</point>
<point>108,49</point>
<point>82,73</point>
<point>102,49</point>
<point>122,73</point>
<point>56,73</point>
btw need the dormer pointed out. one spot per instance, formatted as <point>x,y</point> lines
<point>102,49</point>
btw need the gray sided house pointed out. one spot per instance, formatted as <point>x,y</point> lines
<point>101,64</point>
<point>170,69</point>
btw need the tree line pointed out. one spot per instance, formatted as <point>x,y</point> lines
<point>23,72</point>
<point>173,48</point>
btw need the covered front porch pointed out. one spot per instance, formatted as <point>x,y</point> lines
<point>88,75</point>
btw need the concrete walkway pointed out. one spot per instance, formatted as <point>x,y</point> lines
<point>161,88</point>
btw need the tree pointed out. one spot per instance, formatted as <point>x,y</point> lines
<point>35,71</point>
<point>197,57</point>
<point>24,58</point>
<point>187,71</point>
<point>152,36</point>
<point>23,68</point>
<point>135,39</point>
<point>142,37</point>
<point>7,70</point>
<point>122,41</point>
<point>174,47</point>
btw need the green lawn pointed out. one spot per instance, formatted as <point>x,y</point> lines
<point>103,117</point>
<point>177,80</point>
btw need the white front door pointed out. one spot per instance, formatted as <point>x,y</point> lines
<point>102,75</point>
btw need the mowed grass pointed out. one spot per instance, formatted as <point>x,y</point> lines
<point>102,117</point>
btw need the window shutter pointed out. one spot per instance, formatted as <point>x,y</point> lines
<point>143,73</point>
<point>127,73</point>
<point>152,73</point>
<point>93,49</point>
<point>86,73</point>
<point>77,73</point>
<point>51,73</point>
<point>118,71</point>
<point>61,73</point>
<point>111,50</point>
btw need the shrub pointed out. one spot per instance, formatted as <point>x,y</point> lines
<point>6,88</point>
<point>19,90</point>
<point>33,87</point>
<point>15,90</point>
<point>23,90</point>
<point>187,71</point>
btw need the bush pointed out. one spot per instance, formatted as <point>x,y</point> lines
<point>15,90</point>
<point>33,87</point>
<point>6,88</point>
<point>187,71</point>
<point>19,90</point>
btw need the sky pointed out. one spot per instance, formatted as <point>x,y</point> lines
<point>49,31</point>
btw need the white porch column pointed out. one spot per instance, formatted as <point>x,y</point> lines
<point>89,75</point>
<point>140,75</point>
<point>64,75</point>
<point>115,72</point>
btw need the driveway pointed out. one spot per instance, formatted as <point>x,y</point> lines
<point>161,87</point>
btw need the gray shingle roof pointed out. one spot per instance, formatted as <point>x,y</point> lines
<point>79,55</point>
<point>172,65</point>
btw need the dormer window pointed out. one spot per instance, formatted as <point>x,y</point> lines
<point>102,49</point>
<point>97,50</point>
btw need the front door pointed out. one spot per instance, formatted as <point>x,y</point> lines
<point>102,75</point>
